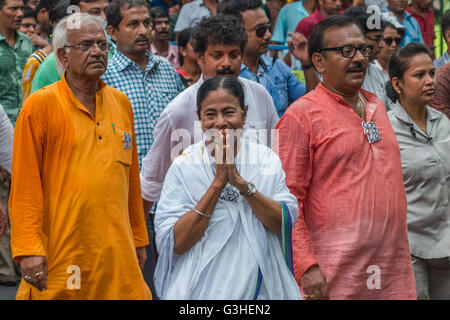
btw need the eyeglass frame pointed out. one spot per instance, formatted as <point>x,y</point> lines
<point>78,46</point>
<point>341,49</point>
<point>266,27</point>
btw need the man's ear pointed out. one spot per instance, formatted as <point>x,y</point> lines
<point>447,37</point>
<point>61,55</point>
<point>200,58</point>
<point>112,32</point>
<point>318,61</point>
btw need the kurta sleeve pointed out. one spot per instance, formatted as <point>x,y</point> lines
<point>135,205</point>
<point>26,202</point>
<point>296,157</point>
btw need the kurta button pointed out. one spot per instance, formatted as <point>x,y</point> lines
<point>100,137</point>
<point>98,123</point>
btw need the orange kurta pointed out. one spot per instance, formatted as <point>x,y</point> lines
<point>75,195</point>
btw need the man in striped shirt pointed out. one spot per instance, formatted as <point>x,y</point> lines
<point>149,81</point>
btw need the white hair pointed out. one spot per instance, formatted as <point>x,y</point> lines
<point>72,22</point>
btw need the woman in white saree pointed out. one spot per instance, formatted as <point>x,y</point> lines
<point>224,220</point>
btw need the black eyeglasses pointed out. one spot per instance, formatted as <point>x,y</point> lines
<point>87,45</point>
<point>389,40</point>
<point>261,30</point>
<point>349,51</point>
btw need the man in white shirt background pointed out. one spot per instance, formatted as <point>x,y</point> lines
<point>219,43</point>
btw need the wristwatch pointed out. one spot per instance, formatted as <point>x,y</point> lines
<point>251,189</point>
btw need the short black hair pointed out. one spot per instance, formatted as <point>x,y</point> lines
<point>361,18</point>
<point>445,24</point>
<point>113,14</point>
<point>230,84</point>
<point>158,12</point>
<point>28,12</point>
<point>316,40</point>
<point>218,29</point>
<point>236,7</point>
<point>44,4</point>
<point>183,39</point>
<point>59,11</point>
<point>400,63</point>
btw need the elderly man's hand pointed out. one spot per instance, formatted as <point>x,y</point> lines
<point>3,220</point>
<point>298,46</point>
<point>142,256</point>
<point>34,271</point>
<point>314,285</point>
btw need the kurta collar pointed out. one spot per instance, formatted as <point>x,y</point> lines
<point>372,99</point>
<point>69,93</point>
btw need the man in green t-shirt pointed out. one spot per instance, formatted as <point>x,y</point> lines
<point>15,48</point>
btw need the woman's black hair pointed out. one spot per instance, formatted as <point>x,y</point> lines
<point>183,39</point>
<point>399,64</point>
<point>230,84</point>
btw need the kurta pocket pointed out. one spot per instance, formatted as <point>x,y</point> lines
<point>123,145</point>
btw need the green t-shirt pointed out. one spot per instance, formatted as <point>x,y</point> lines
<point>12,62</point>
<point>46,74</point>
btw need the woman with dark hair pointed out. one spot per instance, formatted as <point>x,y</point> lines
<point>423,135</point>
<point>225,215</point>
<point>189,69</point>
<point>390,44</point>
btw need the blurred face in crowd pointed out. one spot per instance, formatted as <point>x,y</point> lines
<point>11,14</point>
<point>343,75</point>
<point>374,38</point>
<point>257,26</point>
<point>33,4</point>
<point>397,6</point>
<point>89,58</point>
<point>331,6</point>
<point>161,27</point>
<point>96,8</point>
<point>390,43</point>
<point>133,33</point>
<point>423,4</point>
<point>220,60</point>
<point>28,26</point>
<point>418,83</point>
<point>187,52</point>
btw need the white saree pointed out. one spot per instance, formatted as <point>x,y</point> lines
<point>237,257</point>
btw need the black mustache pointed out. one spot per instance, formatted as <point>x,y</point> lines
<point>225,71</point>
<point>357,67</point>
<point>142,38</point>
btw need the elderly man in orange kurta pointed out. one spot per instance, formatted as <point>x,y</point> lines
<point>342,161</point>
<point>77,221</point>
